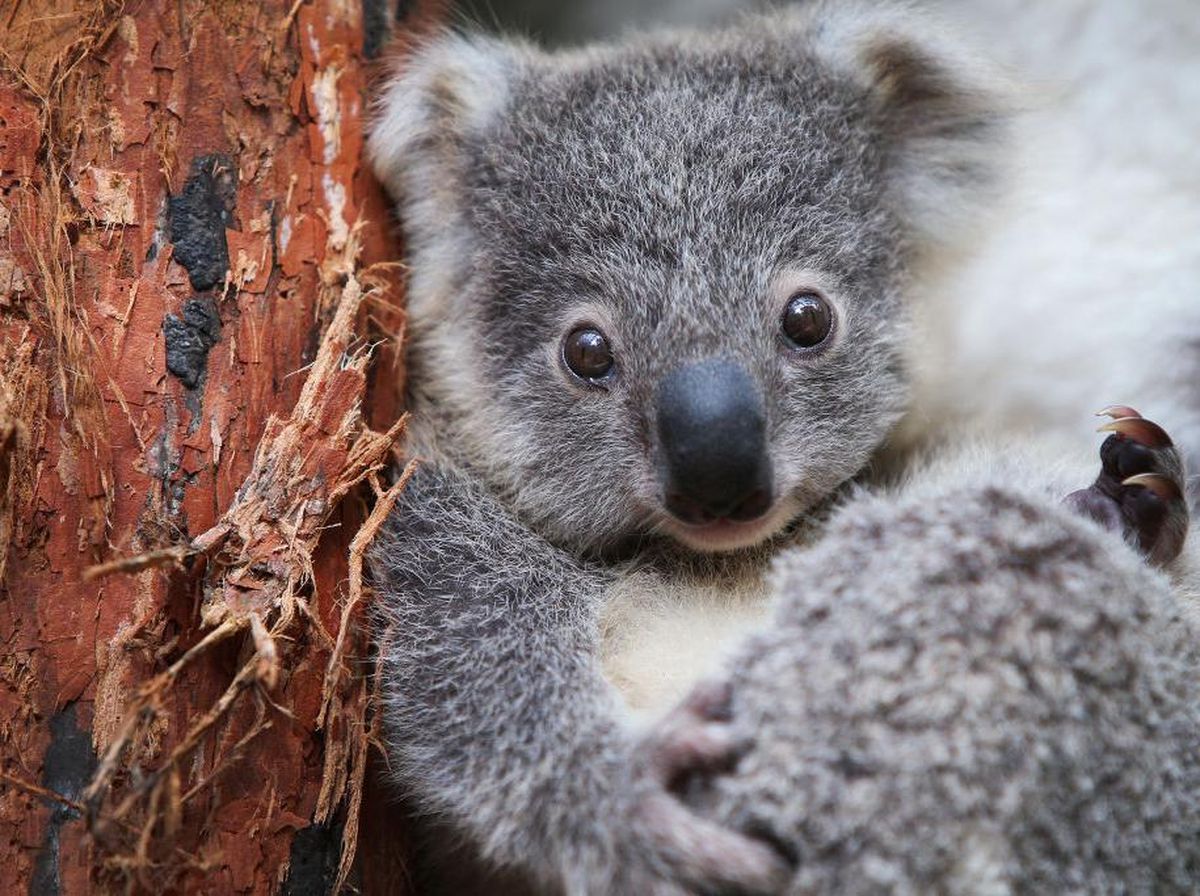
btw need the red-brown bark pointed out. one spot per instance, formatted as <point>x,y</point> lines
<point>183,214</point>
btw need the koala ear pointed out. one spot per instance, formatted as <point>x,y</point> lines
<point>442,91</point>
<point>944,112</point>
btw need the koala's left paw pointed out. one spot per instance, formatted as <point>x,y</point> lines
<point>697,855</point>
<point>1140,489</point>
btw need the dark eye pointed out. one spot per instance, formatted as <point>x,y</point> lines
<point>807,320</point>
<point>587,354</point>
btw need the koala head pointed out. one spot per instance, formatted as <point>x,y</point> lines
<point>660,286</point>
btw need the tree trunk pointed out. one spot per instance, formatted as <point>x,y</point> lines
<point>194,302</point>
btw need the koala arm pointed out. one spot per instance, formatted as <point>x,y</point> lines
<point>498,716</point>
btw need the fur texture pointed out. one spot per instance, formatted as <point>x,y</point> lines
<point>968,690</point>
<point>1086,282</point>
<point>674,191</point>
<point>607,186</point>
<point>501,722</point>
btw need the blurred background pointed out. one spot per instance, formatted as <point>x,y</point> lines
<point>554,22</point>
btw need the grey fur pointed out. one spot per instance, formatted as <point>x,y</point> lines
<point>672,190</point>
<point>499,718</point>
<point>971,691</point>
<point>608,186</point>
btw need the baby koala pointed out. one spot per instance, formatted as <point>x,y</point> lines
<point>659,307</point>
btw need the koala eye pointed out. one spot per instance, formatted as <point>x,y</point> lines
<point>587,354</point>
<point>807,320</point>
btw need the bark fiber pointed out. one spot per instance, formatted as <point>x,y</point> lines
<point>197,304</point>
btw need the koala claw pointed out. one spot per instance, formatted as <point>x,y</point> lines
<point>1165,488</point>
<point>1139,491</point>
<point>694,854</point>
<point>1141,430</point>
<point>1116,411</point>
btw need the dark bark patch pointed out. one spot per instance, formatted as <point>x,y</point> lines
<point>313,864</point>
<point>199,216</point>
<point>189,339</point>
<point>67,767</point>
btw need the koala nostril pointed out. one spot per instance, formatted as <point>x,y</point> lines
<point>698,512</point>
<point>753,507</point>
<point>686,510</point>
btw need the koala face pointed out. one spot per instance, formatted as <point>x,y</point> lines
<point>642,231</point>
<point>655,288</point>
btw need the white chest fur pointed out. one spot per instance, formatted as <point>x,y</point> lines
<point>661,635</point>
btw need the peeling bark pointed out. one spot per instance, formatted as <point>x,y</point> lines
<point>194,267</point>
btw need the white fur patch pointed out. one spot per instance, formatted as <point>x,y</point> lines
<point>661,637</point>
<point>455,81</point>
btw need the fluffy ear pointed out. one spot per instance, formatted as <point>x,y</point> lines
<point>442,91</point>
<point>943,110</point>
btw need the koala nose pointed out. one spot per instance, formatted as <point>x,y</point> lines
<point>712,434</point>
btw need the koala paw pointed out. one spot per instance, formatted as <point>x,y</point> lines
<point>1140,489</point>
<point>689,853</point>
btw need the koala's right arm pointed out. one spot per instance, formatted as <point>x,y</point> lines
<point>499,718</point>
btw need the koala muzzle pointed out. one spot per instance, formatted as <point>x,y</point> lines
<point>712,437</point>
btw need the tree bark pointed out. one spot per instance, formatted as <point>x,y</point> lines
<point>195,301</point>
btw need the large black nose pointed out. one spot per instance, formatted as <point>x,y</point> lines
<point>712,433</point>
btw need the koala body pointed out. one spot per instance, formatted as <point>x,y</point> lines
<point>663,328</point>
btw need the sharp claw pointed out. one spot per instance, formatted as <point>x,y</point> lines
<point>1144,432</point>
<point>1163,486</point>
<point>1117,411</point>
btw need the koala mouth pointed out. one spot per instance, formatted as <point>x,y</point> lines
<point>722,535</point>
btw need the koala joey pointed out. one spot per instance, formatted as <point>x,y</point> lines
<point>650,620</point>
